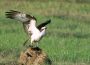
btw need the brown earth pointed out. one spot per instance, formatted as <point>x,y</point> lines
<point>34,56</point>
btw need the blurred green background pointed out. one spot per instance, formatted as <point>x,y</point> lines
<point>67,41</point>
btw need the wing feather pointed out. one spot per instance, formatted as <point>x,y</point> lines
<point>19,16</point>
<point>43,24</point>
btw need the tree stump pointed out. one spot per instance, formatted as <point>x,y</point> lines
<point>34,56</point>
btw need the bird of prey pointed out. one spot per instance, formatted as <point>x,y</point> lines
<point>29,23</point>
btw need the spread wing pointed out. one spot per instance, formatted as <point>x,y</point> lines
<point>18,16</point>
<point>22,17</point>
<point>43,24</point>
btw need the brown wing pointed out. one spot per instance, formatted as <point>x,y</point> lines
<point>43,24</point>
<point>19,16</point>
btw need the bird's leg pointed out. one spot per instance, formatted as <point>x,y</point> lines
<point>36,44</point>
<point>31,45</point>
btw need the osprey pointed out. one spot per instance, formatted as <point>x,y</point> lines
<point>29,24</point>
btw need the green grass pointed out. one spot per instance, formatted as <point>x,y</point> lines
<point>68,36</point>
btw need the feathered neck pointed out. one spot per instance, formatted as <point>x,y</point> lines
<point>33,22</point>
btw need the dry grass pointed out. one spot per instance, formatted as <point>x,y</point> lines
<point>34,56</point>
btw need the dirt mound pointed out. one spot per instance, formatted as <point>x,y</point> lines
<point>34,56</point>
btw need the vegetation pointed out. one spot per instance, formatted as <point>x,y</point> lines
<point>68,36</point>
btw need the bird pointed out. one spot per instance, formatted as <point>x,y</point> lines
<point>29,22</point>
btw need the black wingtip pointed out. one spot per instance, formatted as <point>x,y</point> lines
<point>49,20</point>
<point>11,13</point>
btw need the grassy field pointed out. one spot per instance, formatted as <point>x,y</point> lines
<point>68,36</point>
